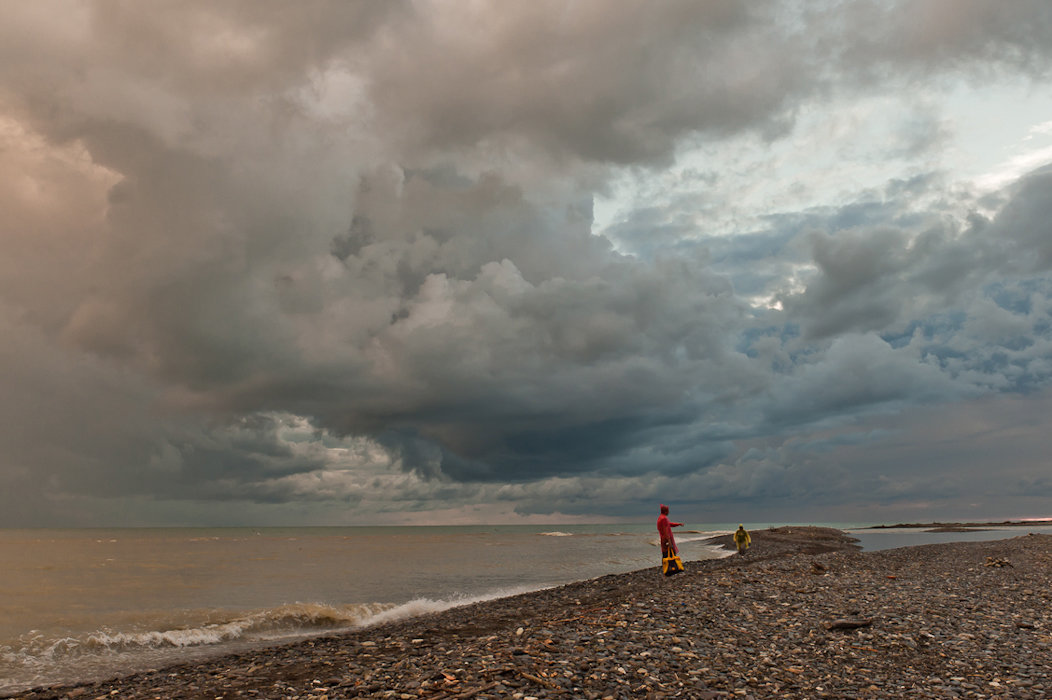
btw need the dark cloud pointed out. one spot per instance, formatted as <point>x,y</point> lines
<point>927,34</point>
<point>630,82</point>
<point>1024,225</point>
<point>858,282</point>
<point>344,256</point>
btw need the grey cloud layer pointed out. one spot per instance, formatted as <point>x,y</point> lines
<point>377,218</point>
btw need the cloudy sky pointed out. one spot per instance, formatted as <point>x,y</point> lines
<point>456,262</point>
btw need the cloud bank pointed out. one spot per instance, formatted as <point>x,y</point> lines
<point>341,263</point>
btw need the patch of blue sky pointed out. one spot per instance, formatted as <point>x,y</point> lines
<point>824,174</point>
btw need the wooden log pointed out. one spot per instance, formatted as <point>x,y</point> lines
<point>846,623</point>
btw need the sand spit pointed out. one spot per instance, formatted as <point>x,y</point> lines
<point>963,527</point>
<point>803,615</point>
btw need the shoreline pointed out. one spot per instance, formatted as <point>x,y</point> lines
<point>923,621</point>
<point>961,526</point>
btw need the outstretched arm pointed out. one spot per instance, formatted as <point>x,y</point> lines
<point>675,524</point>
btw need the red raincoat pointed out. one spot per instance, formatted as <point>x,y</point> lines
<point>668,542</point>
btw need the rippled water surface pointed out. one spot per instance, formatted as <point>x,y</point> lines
<point>78,604</point>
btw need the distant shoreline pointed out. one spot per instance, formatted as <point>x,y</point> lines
<point>960,527</point>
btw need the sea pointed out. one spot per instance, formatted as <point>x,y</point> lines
<point>88,604</point>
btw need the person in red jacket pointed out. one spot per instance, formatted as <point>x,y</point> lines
<point>664,526</point>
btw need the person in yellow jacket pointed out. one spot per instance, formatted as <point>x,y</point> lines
<point>742,539</point>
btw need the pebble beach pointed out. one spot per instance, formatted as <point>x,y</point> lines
<point>804,614</point>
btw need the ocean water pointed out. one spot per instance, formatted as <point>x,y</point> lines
<point>79,605</point>
<point>86,604</point>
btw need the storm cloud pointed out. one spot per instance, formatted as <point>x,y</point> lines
<point>432,262</point>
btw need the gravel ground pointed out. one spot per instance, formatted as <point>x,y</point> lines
<point>802,615</point>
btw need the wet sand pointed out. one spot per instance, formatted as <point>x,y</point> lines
<point>804,614</point>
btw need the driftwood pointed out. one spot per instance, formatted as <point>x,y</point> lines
<point>848,623</point>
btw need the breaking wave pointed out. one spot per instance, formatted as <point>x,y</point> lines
<point>38,659</point>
